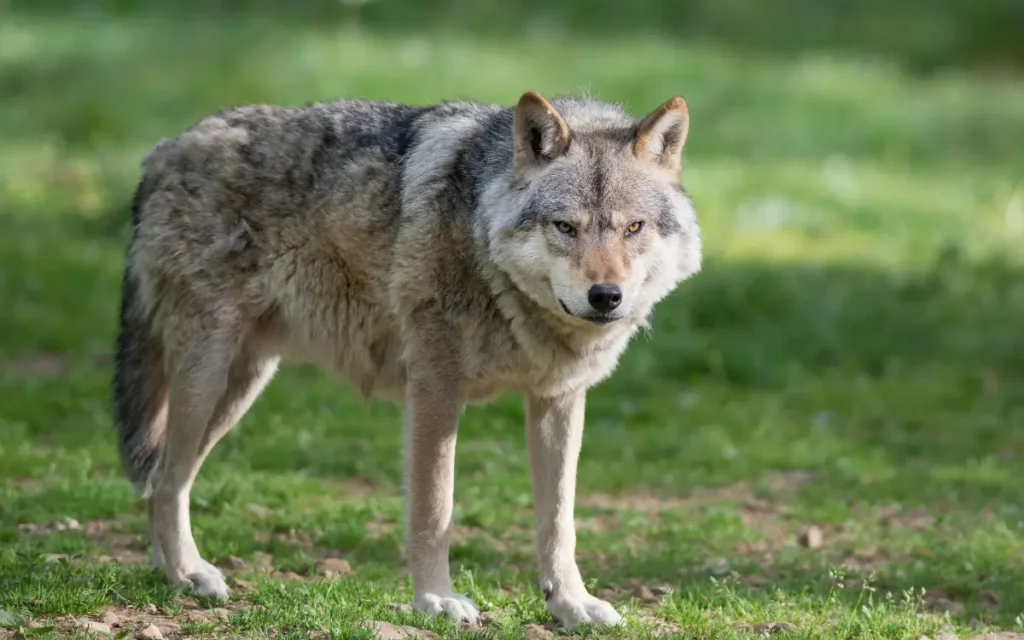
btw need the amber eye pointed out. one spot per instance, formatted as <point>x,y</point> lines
<point>566,228</point>
<point>634,228</point>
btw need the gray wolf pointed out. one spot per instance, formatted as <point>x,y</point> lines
<point>434,255</point>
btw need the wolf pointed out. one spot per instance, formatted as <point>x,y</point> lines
<point>432,255</point>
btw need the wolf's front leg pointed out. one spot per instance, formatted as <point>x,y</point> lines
<point>555,430</point>
<point>431,420</point>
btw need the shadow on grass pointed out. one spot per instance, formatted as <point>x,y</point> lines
<point>762,324</point>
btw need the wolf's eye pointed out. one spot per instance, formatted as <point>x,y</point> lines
<point>566,228</point>
<point>634,228</point>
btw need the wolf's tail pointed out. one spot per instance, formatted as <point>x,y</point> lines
<point>139,385</point>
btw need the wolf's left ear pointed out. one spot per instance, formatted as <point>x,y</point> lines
<point>540,133</point>
<point>661,135</point>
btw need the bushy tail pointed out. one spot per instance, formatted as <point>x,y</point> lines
<point>139,387</point>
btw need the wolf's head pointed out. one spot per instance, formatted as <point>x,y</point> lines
<point>596,227</point>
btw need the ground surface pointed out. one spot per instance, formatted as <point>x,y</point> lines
<point>823,431</point>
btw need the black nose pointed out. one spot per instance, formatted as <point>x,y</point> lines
<point>604,297</point>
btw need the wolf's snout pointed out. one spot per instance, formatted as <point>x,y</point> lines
<point>604,297</point>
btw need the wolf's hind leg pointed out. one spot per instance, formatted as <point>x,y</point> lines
<point>200,382</point>
<point>247,378</point>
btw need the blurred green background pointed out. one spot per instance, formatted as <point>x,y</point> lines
<point>923,34</point>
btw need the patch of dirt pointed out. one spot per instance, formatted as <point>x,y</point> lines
<point>49,365</point>
<point>764,509</point>
<point>389,631</point>
<point>646,502</point>
<point>355,487</point>
<point>511,541</point>
<point>766,628</point>
<point>117,546</point>
<point>331,567</point>
<point>647,594</point>
<point>893,515</point>
<point>377,529</point>
<point>997,635</point>
<point>659,628</point>
<point>756,512</point>
<point>148,622</point>
<point>536,632</point>
<point>39,365</point>
<point>133,549</point>
<point>938,601</point>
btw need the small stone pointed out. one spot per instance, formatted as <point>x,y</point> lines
<point>336,567</point>
<point>644,593</point>
<point>660,590</point>
<point>71,524</point>
<point>151,609</point>
<point>28,527</point>
<point>244,585</point>
<point>812,538</point>
<point>236,564</point>
<point>991,597</point>
<point>95,627</point>
<point>290,575</point>
<point>109,617</point>
<point>170,626</point>
<point>152,632</point>
<point>607,593</point>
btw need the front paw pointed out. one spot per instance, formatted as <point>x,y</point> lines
<point>573,610</point>
<point>208,581</point>
<point>458,607</point>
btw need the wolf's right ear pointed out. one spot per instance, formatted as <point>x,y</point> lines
<point>540,133</point>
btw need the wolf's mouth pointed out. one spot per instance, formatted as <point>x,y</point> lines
<point>596,318</point>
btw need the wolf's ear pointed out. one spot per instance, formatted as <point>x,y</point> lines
<point>660,136</point>
<point>541,135</point>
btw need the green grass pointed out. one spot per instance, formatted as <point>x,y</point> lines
<point>851,357</point>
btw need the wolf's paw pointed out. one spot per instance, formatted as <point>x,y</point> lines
<point>572,611</point>
<point>208,581</point>
<point>458,607</point>
<point>212,569</point>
